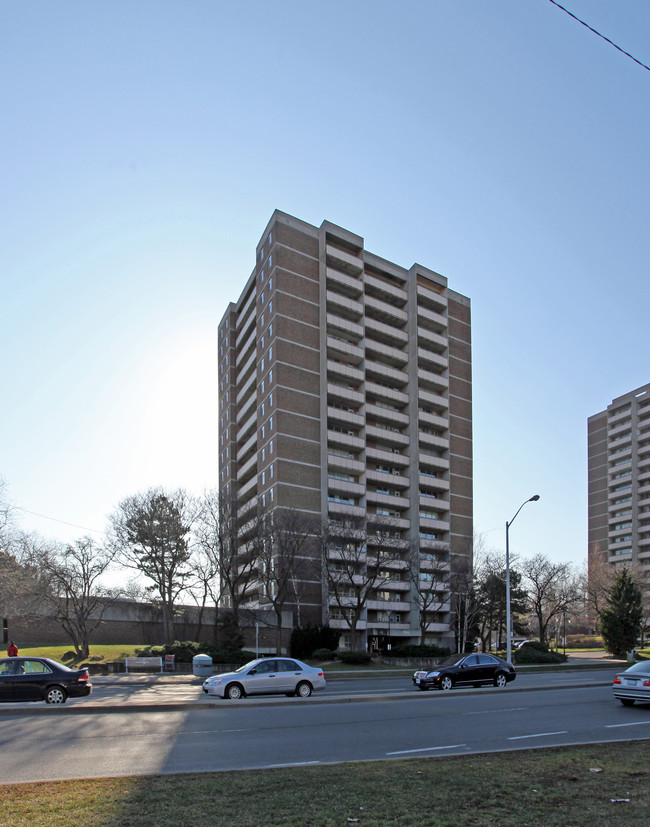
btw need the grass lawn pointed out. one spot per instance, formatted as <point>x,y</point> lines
<point>98,654</point>
<point>571,786</point>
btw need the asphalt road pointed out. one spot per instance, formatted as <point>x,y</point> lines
<point>327,728</point>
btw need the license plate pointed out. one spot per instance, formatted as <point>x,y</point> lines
<point>417,680</point>
<point>630,682</point>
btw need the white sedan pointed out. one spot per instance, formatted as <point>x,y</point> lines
<point>633,684</point>
<point>267,676</point>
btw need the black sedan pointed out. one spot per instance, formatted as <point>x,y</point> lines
<point>41,679</point>
<point>464,670</point>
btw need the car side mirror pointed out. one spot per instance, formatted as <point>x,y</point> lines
<point>253,672</point>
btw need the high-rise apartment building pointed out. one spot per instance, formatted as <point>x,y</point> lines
<point>619,483</point>
<point>345,390</point>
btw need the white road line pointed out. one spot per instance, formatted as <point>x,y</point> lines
<point>297,764</point>
<point>537,735</point>
<point>425,749</point>
<point>634,723</point>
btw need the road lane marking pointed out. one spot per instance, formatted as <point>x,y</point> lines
<point>491,711</point>
<point>537,735</point>
<point>633,723</point>
<point>297,764</point>
<point>425,749</point>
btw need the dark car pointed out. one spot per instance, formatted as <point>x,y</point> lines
<point>463,670</point>
<point>41,679</point>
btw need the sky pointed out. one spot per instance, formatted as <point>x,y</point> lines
<point>145,145</point>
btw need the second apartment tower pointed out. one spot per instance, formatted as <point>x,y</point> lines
<point>345,393</point>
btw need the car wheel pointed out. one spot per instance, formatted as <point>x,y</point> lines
<point>56,695</point>
<point>500,680</point>
<point>446,683</point>
<point>234,692</point>
<point>303,690</point>
<point>627,701</point>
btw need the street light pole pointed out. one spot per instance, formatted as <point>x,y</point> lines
<point>532,499</point>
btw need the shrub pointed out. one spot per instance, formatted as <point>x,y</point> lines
<point>324,654</point>
<point>535,652</point>
<point>353,656</point>
<point>418,651</point>
<point>184,652</point>
<point>307,639</point>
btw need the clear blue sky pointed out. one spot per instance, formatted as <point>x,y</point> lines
<point>145,145</point>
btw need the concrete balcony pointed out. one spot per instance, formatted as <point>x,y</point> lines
<point>396,605</point>
<point>344,351</point>
<point>395,397</point>
<point>346,487</point>
<point>375,371</point>
<point>351,331</point>
<point>344,372</point>
<point>246,352</point>
<point>343,260</point>
<point>429,360</point>
<point>385,312</point>
<point>390,292</point>
<point>432,381</point>
<point>345,440</point>
<point>248,387</point>
<point>381,457</point>
<point>344,394</point>
<point>431,320</point>
<point>387,354</point>
<point>345,510</point>
<point>345,464</point>
<point>394,479</point>
<point>432,420</point>
<point>386,437</point>
<point>245,410</point>
<point>388,500</point>
<point>432,341</point>
<point>342,282</point>
<point>248,488</point>
<point>385,333</point>
<point>438,506</point>
<point>379,413</point>
<point>345,418</point>
<point>433,461</point>
<point>247,329</point>
<point>432,299</point>
<point>430,524</point>
<point>245,471</point>
<point>344,306</point>
<point>427,399</point>
<point>435,483</point>
<point>249,446</point>
<point>432,441</point>
<point>246,428</point>
<point>243,373</point>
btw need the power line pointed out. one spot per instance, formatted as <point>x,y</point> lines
<point>591,29</point>
<point>54,520</point>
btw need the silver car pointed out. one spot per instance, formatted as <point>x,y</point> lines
<point>267,676</point>
<point>633,684</point>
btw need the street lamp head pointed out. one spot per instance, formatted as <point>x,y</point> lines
<point>534,498</point>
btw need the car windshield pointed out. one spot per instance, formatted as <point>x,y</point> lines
<point>452,660</point>
<point>642,666</point>
<point>247,666</point>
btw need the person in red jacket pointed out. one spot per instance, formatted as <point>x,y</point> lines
<point>12,650</point>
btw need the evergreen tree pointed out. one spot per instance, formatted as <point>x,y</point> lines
<point>621,619</point>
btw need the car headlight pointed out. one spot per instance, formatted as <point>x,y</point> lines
<point>432,674</point>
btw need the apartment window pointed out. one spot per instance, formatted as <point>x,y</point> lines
<point>270,330</point>
<point>270,306</point>
<point>262,315</point>
<point>270,377</point>
<point>270,262</point>
<point>270,353</point>
<point>262,409</point>
<point>263,477</point>
<point>270,400</point>
<point>271,471</point>
<point>270,423</point>
<point>270,446</point>
<point>271,494</point>
<point>263,454</point>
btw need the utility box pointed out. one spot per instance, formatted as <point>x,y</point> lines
<point>202,666</point>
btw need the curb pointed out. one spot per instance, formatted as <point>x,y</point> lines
<point>89,709</point>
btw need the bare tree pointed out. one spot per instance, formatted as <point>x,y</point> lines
<point>552,590</point>
<point>429,575</point>
<point>465,606</point>
<point>229,542</point>
<point>150,532</point>
<point>74,593</point>
<point>358,560</point>
<point>279,559</point>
